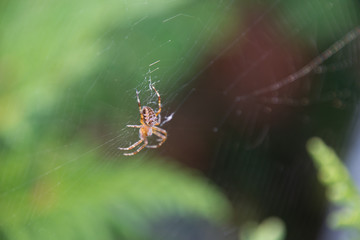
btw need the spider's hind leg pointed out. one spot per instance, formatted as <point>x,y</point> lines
<point>162,139</point>
<point>139,149</point>
<point>132,146</point>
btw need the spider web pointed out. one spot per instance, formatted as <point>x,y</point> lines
<point>243,85</point>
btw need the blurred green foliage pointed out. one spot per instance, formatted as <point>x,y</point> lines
<point>270,229</point>
<point>82,199</point>
<point>316,19</point>
<point>341,190</point>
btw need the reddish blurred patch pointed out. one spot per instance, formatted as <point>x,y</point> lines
<point>257,60</point>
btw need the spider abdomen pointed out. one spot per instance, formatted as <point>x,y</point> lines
<point>150,118</point>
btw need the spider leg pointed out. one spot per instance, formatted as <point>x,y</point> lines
<point>163,139</point>
<point>159,101</point>
<point>139,104</point>
<point>132,146</point>
<point>139,149</point>
<point>160,130</point>
<point>134,126</point>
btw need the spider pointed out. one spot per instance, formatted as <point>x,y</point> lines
<point>149,120</point>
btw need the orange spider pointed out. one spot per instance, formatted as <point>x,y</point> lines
<point>149,120</point>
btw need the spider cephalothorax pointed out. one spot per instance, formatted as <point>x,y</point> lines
<point>149,120</point>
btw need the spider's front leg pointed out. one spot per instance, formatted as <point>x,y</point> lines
<point>159,101</point>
